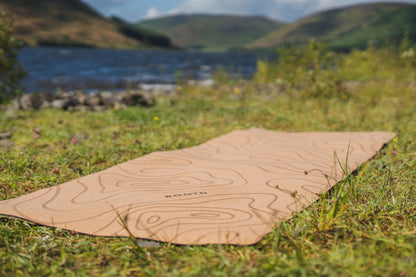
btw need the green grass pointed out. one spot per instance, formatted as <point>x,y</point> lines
<point>365,226</point>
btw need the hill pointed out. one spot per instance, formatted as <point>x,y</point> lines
<point>67,22</point>
<point>348,27</point>
<point>213,32</point>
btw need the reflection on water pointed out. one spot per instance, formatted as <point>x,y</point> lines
<point>90,69</point>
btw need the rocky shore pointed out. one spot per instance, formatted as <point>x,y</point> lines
<point>81,101</point>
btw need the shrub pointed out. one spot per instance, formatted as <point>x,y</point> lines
<point>306,71</point>
<point>11,70</point>
<point>390,62</point>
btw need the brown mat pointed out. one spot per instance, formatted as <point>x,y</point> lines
<point>232,189</point>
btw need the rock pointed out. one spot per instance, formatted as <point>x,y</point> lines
<point>80,97</point>
<point>64,95</point>
<point>33,101</point>
<point>157,88</point>
<point>105,94</point>
<point>24,102</point>
<point>37,100</point>
<point>80,101</point>
<point>108,99</point>
<point>148,100</point>
<point>93,101</point>
<point>45,105</point>
<point>79,93</point>
<point>5,135</point>
<point>69,101</point>
<point>81,108</point>
<point>72,101</point>
<point>134,98</point>
<point>201,83</point>
<point>98,108</point>
<point>59,103</point>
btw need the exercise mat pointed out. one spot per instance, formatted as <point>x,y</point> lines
<point>231,190</point>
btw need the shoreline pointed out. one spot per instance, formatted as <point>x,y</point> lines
<point>98,100</point>
<point>79,100</point>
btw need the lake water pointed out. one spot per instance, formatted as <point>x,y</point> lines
<point>50,68</point>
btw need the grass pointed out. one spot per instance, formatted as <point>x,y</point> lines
<point>365,226</point>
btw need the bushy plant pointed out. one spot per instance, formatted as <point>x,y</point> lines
<point>389,63</point>
<point>306,71</point>
<point>11,71</point>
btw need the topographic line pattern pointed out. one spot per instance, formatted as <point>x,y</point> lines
<point>231,189</point>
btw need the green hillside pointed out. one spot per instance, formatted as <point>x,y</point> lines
<point>348,27</point>
<point>214,32</point>
<point>67,22</point>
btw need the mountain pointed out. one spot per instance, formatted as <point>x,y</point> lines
<point>74,23</point>
<point>212,32</point>
<point>348,27</point>
<point>70,23</point>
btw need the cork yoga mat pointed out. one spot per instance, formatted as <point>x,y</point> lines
<point>231,190</point>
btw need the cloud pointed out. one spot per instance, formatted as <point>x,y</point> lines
<point>152,13</point>
<point>216,6</point>
<point>104,4</point>
<point>286,10</point>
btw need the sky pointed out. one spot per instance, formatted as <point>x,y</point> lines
<point>283,10</point>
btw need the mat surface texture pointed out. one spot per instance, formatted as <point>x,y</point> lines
<point>232,189</point>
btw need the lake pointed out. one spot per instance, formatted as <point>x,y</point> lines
<point>52,68</point>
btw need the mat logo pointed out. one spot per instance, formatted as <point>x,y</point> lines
<point>186,194</point>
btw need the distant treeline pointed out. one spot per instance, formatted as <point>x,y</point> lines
<point>62,41</point>
<point>142,34</point>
